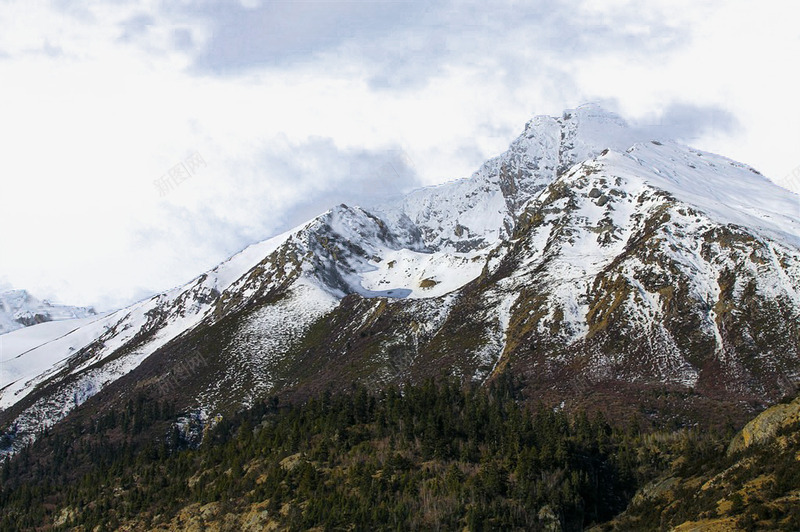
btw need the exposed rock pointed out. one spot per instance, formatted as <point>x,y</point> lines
<point>766,425</point>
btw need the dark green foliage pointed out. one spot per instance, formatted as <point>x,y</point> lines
<point>427,456</point>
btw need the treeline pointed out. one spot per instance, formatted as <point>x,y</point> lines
<point>431,456</point>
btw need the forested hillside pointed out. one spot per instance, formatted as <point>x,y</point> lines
<point>432,456</point>
<point>423,456</point>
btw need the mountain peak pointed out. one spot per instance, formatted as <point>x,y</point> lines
<point>593,112</point>
<point>18,308</point>
<point>471,214</point>
<point>646,266</point>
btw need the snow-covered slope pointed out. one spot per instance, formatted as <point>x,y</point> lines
<point>631,275</point>
<point>582,249</point>
<point>20,309</point>
<point>30,358</point>
<point>33,351</point>
<point>479,211</point>
<point>727,191</point>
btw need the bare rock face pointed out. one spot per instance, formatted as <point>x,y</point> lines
<point>766,425</point>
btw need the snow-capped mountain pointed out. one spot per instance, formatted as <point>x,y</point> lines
<point>20,309</point>
<point>594,264</point>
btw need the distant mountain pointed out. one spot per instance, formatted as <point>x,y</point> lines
<point>20,309</point>
<point>633,275</point>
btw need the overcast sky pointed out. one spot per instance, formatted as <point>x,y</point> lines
<point>267,113</point>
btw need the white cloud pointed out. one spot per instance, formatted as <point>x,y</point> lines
<point>102,100</point>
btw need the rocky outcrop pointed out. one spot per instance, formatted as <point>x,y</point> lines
<point>766,425</point>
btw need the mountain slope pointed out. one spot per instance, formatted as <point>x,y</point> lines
<point>620,280</point>
<point>754,486</point>
<point>597,265</point>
